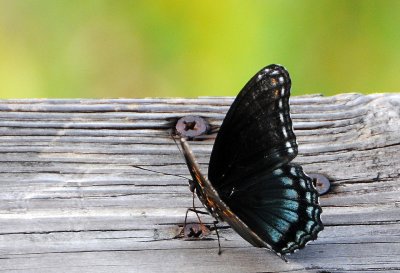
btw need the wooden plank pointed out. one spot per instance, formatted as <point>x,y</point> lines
<point>73,200</point>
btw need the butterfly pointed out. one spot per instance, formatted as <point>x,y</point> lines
<point>252,184</point>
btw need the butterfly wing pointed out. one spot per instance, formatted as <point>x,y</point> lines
<point>256,134</point>
<point>250,170</point>
<point>276,210</point>
<point>281,207</point>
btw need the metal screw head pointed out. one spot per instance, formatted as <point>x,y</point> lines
<point>191,126</point>
<point>322,183</point>
<point>195,231</point>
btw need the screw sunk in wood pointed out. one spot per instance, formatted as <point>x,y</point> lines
<point>321,183</point>
<point>191,126</point>
<point>195,231</point>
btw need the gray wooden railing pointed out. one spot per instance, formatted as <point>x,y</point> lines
<point>72,198</point>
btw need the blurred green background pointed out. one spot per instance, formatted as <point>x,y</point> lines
<point>104,48</point>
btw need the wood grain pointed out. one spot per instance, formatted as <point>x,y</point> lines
<point>72,198</point>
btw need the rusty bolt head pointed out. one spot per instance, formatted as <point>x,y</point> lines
<point>191,126</point>
<point>321,183</point>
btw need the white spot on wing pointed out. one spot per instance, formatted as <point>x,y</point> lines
<point>281,79</point>
<point>277,172</point>
<point>280,104</point>
<point>299,234</point>
<point>308,195</point>
<point>302,183</point>
<point>281,117</point>
<point>284,131</point>
<point>275,72</point>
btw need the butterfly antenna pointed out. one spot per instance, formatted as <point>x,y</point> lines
<point>153,171</point>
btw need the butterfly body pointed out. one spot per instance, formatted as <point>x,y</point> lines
<point>211,200</point>
<point>251,183</point>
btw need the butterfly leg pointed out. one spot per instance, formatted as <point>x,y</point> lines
<point>193,209</point>
<point>203,231</point>
<point>216,231</point>
<point>197,214</point>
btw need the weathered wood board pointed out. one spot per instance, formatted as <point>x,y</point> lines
<point>72,199</point>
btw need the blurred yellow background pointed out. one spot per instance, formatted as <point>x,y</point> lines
<point>108,49</point>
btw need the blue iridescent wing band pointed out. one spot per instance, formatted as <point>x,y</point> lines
<point>280,206</point>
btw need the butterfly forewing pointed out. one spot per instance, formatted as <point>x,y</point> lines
<point>256,133</point>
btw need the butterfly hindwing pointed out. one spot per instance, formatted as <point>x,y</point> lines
<point>280,206</point>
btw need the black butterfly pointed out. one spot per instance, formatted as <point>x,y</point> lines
<point>251,185</point>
